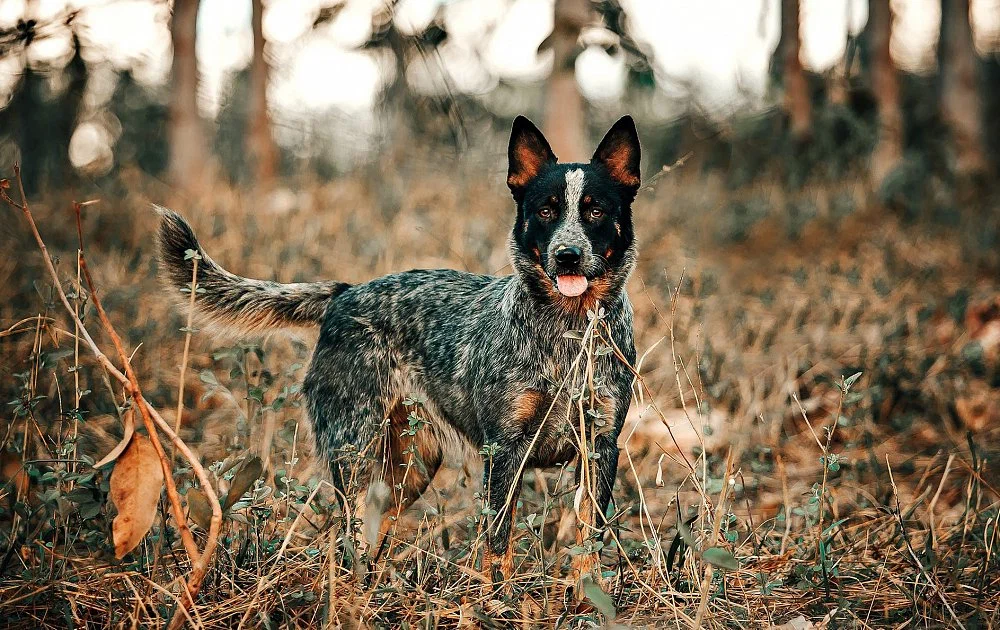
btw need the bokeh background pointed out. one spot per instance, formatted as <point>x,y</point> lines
<point>325,87</point>
<point>820,199</point>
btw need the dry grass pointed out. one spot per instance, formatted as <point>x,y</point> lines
<point>747,318</point>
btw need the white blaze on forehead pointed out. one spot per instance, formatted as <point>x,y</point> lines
<point>574,190</point>
<point>570,231</point>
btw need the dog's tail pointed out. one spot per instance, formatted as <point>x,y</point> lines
<point>240,304</point>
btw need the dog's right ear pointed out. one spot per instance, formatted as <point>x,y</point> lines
<point>527,153</point>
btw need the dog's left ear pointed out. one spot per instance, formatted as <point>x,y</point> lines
<point>619,153</point>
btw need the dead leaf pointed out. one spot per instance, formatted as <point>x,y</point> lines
<point>135,490</point>
<point>797,623</point>
<point>129,420</point>
<point>198,508</point>
<point>687,430</point>
<point>982,321</point>
<point>497,608</point>
<point>12,470</point>
<point>243,480</point>
<point>600,599</point>
<point>229,463</point>
<point>978,409</point>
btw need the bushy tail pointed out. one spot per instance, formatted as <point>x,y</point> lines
<point>243,304</point>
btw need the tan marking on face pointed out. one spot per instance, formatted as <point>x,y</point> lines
<point>597,291</point>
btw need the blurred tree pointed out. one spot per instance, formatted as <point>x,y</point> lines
<point>41,116</point>
<point>838,77</point>
<point>885,88</point>
<point>960,101</point>
<point>188,153</point>
<point>66,113</point>
<point>638,56</point>
<point>565,124</point>
<point>231,124</point>
<point>142,115</point>
<point>437,117</point>
<point>260,142</point>
<point>797,98</point>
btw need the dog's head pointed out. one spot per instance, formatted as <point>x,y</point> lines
<point>573,239</point>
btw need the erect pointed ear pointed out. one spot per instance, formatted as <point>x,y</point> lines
<point>527,153</point>
<point>619,152</point>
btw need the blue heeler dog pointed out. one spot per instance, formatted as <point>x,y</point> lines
<point>484,353</point>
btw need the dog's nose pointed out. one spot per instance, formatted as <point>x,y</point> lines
<point>568,255</point>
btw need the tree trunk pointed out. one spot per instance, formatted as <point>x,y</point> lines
<point>838,78</point>
<point>960,104</point>
<point>188,153</point>
<point>262,151</point>
<point>885,87</point>
<point>565,125</point>
<point>798,104</point>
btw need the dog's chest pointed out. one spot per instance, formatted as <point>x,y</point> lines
<point>576,399</point>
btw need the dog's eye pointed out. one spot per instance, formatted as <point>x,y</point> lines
<point>594,213</point>
<point>546,213</point>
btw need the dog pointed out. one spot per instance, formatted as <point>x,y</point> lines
<point>413,366</point>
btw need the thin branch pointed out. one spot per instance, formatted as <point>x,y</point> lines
<point>151,417</point>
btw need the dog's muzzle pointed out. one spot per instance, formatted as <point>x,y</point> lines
<point>569,281</point>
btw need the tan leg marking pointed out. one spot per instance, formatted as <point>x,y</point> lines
<point>383,499</point>
<point>584,564</point>
<point>503,565</point>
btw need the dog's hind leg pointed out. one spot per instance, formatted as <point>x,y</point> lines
<point>379,462</point>
<point>411,456</point>
<point>398,471</point>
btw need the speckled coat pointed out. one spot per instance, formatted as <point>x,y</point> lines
<point>416,367</point>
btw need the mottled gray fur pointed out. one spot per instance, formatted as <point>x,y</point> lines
<point>244,304</point>
<point>485,353</point>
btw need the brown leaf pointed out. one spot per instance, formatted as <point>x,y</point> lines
<point>11,469</point>
<point>242,481</point>
<point>978,408</point>
<point>129,420</point>
<point>199,509</point>
<point>135,490</point>
<point>797,623</point>
<point>982,321</point>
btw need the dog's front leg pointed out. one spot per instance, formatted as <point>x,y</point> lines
<point>607,471</point>
<point>503,486</point>
<point>592,516</point>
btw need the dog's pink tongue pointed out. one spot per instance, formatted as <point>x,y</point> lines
<point>571,286</point>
